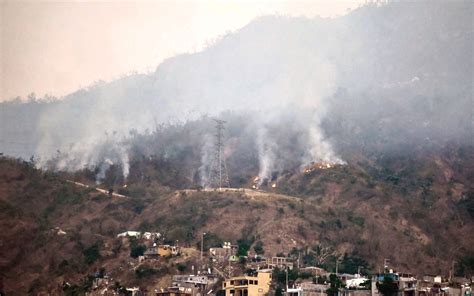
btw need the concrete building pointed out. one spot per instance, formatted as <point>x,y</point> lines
<point>248,285</point>
<point>356,282</point>
<point>168,251</point>
<point>311,289</point>
<point>224,253</point>
<point>294,291</point>
<point>174,291</point>
<point>315,271</point>
<point>135,234</point>
<point>161,251</point>
<point>190,285</point>
<point>280,262</point>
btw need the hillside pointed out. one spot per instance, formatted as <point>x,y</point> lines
<point>421,224</point>
<point>349,137</point>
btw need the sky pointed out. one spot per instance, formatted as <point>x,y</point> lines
<point>57,47</point>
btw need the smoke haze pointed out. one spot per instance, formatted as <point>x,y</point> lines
<point>293,90</point>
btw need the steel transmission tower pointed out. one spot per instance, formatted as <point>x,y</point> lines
<point>218,177</point>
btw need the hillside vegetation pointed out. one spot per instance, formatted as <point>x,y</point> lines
<point>416,211</point>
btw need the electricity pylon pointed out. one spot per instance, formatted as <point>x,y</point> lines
<point>218,177</point>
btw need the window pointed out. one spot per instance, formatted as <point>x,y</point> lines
<point>231,282</point>
<point>256,282</point>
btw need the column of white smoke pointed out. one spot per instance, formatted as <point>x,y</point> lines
<point>206,159</point>
<point>320,149</point>
<point>266,152</point>
<point>104,167</point>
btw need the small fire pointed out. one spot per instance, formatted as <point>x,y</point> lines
<point>274,185</point>
<point>255,182</point>
<point>319,165</point>
<point>125,186</point>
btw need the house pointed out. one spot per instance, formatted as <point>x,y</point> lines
<point>203,279</point>
<point>432,278</point>
<point>195,285</point>
<point>151,235</point>
<point>280,262</point>
<point>168,251</point>
<point>315,271</point>
<point>248,285</point>
<point>135,234</point>
<point>312,289</point>
<point>135,291</point>
<point>161,251</point>
<point>407,283</point>
<point>294,291</point>
<point>222,254</point>
<point>174,291</point>
<point>151,252</point>
<point>356,282</point>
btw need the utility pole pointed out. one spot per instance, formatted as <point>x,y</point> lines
<point>451,272</point>
<point>299,257</point>
<point>218,174</point>
<point>202,243</point>
<point>386,262</point>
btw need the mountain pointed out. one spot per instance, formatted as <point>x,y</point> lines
<point>395,73</point>
<point>363,124</point>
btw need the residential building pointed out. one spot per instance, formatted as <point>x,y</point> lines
<point>200,283</point>
<point>161,251</point>
<point>407,283</point>
<point>168,251</point>
<point>135,234</point>
<point>224,253</point>
<point>175,291</point>
<point>294,291</point>
<point>280,262</point>
<point>248,285</point>
<point>316,271</point>
<point>312,289</point>
<point>189,285</point>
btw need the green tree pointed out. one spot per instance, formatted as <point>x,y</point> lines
<point>136,249</point>
<point>91,254</point>
<point>258,248</point>
<point>243,247</point>
<point>279,292</point>
<point>388,287</point>
<point>465,266</point>
<point>335,285</point>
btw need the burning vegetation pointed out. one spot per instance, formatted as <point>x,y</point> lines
<point>319,166</point>
<point>258,182</point>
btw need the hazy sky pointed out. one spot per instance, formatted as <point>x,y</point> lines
<point>57,47</point>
